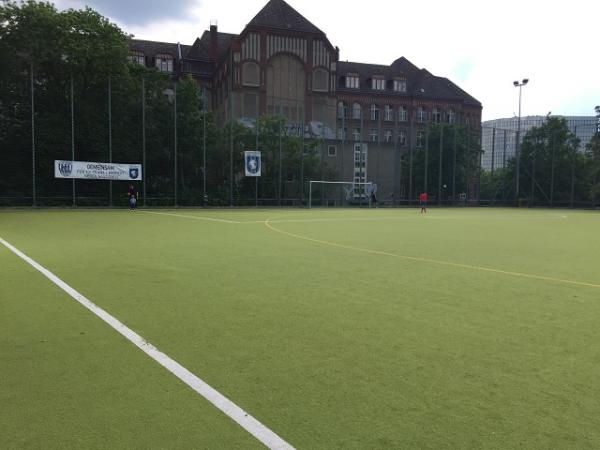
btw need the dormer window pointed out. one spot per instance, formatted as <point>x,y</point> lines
<point>136,56</point>
<point>164,63</point>
<point>352,81</point>
<point>400,85</point>
<point>378,84</point>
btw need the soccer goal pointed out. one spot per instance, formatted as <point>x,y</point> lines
<point>339,193</point>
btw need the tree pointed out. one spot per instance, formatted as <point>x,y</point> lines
<point>550,162</point>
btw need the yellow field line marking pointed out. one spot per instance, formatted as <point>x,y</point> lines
<point>268,222</point>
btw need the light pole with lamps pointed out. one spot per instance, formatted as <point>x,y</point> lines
<point>517,155</point>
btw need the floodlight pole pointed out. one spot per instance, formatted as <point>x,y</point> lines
<point>517,153</point>
<point>33,200</point>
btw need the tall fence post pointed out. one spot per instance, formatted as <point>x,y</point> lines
<point>73,137</point>
<point>110,185</point>
<point>144,167</point>
<point>33,187</point>
<point>175,140</point>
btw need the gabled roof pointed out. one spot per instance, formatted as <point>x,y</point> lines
<point>277,14</point>
<point>201,47</point>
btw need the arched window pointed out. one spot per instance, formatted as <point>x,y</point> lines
<point>320,80</point>
<point>286,87</point>
<point>356,111</point>
<point>250,74</point>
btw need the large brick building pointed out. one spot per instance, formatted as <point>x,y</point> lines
<point>366,115</point>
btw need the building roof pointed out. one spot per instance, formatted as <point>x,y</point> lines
<point>277,14</point>
<point>201,47</point>
<point>153,48</point>
<point>420,83</point>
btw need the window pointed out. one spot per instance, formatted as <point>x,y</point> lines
<point>436,115</point>
<point>387,136</point>
<point>356,111</point>
<point>137,57</point>
<point>164,63</point>
<point>374,135</point>
<point>402,138</point>
<point>420,139</point>
<point>250,74</point>
<point>352,81</point>
<point>342,133</point>
<point>388,114</point>
<point>320,80</point>
<point>332,150</point>
<point>421,115</point>
<point>342,110</point>
<point>374,112</point>
<point>450,116</point>
<point>378,84</point>
<point>400,85</point>
<point>356,134</point>
<point>402,114</point>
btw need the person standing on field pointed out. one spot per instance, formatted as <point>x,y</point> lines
<point>132,193</point>
<point>423,201</point>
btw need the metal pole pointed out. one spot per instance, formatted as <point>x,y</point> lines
<point>73,137</point>
<point>33,190</point>
<point>110,186</point>
<point>280,164</point>
<point>175,140</point>
<point>517,154</point>
<point>310,194</point>
<point>573,172</point>
<point>552,173</point>
<point>302,165</point>
<point>410,160</point>
<point>256,178</point>
<point>440,166</point>
<point>231,144</point>
<point>144,168</point>
<point>454,164</point>
<point>204,145</point>
<point>425,182</point>
<point>493,148</point>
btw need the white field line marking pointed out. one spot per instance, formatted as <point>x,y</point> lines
<point>183,216</point>
<point>245,420</point>
<point>268,224</point>
<point>351,219</point>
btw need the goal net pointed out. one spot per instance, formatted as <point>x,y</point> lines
<point>340,194</point>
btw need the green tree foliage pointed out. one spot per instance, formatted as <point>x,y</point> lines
<point>549,162</point>
<point>460,160</point>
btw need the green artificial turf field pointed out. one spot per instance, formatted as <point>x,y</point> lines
<point>347,329</point>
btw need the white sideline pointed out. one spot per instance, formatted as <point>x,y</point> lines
<point>245,420</point>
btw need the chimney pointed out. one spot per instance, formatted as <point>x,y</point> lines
<point>214,43</point>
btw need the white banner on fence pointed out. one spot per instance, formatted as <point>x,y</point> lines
<point>97,170</point>
<point>252,162</point>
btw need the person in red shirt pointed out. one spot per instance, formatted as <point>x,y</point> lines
<point>423,201</point>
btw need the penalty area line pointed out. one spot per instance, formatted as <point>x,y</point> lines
<point>233,411</point>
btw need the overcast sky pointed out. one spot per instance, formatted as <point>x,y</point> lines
<point>481,45</point>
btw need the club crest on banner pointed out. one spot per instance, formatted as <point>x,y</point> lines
<point>65,167</point>
<point>134,173</point>
<point>252,164</point>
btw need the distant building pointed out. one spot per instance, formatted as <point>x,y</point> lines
<point>282,64</point>
<point>499,136</point>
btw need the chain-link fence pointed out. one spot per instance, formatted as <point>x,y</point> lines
<point>547,162</point>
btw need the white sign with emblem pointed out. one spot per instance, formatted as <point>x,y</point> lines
<point>97,170</point>
<point>252,163</point>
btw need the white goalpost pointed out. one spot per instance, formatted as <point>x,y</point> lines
<point>341,193</point>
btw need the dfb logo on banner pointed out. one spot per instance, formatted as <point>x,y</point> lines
<point>252,164</point>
